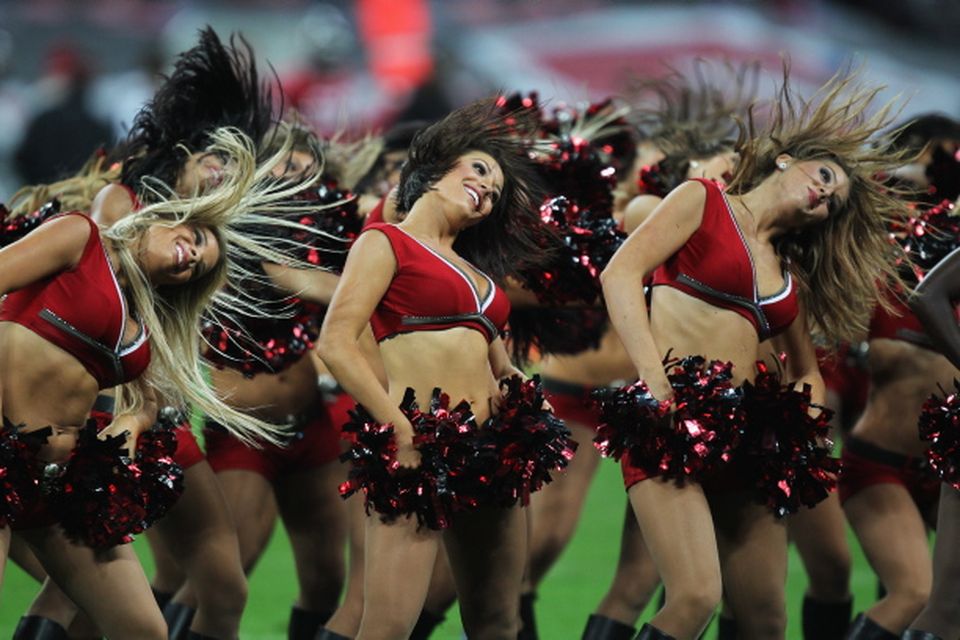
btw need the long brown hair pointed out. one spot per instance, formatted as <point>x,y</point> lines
<point>843,262</point>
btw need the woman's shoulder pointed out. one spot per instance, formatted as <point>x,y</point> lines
<point>112,203</point>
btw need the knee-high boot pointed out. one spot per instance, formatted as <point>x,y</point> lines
<point>39,628</point>
<point>603,628</point>
<point>863,628</point>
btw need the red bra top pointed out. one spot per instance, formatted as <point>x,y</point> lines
<point>82,311</point>
<point>430,293</point>
<point>376,214</point>
<point>716,266</point>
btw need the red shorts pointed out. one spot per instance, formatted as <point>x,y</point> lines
<point>338,404</point>
<point>188,451</point>
<point>865,464</point>
<point>733,477</point>
<point>572,402</point>
<point>314,445</point>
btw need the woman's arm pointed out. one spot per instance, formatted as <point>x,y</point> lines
<point>933,304</point>
<point>111,203</point>
<point>801,363</point>
<point>659,237</point>
<point>312,285</point>
<point>638,210</point>
<point>500,363</point>
<point>366,277</point>
<point>50,248</point>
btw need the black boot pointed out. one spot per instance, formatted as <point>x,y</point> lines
<point>39,628</point>
<point>726,628</point>
<point>178,617</point>
<point>326,634</point>
<point>650,632</point>
<point>193,635</point>
<point>528,622</point>
<point>304,624</point>
<point>162,598</point>
<point>825,620</point>
<point>603,628</point>
<point>913,634</point>
<point>863,628</point>
<point>426,623</point>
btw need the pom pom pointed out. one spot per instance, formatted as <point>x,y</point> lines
<point>19,469</point>
<point>104,498</point>
<point>928,236</point>
<point>14,228</point>
<point>99,502</point>
<point>515,452</point>
<point>393,491</point>
<point>787,448</point>
<point>161,478</point>
<point>694,439</point>
<point>939,424</point>
<point>652,182</point>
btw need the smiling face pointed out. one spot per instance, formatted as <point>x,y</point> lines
<point>473,186</point>
<point>177,255</point>
<point>201,172</point>
<point>816,188</point>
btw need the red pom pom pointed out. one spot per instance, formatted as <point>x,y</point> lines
<point>20,471</point>
<point>786,446</point>
<point>939,424</point>
<point>698,436</point>
<point>515,452</point>
<point>393,491</point>
<point>12,229</point>
<point>98,501</point>
<point>161,477</point>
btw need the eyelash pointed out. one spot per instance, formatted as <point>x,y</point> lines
<point>825,174</point>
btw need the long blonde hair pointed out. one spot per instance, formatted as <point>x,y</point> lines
<point>842,262</point>
<point>75,193</point>
<point>244,213</point>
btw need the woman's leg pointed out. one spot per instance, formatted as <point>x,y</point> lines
<point>893,537</point>
<point>168,576</point>
<point>199,532</point>
<point>440,597</point>
<point>316,521</point>
<point>4,551</point>
<point>820,536</point>
<point>346,619</point>
<point>487,550</point>
<point>399,559</point>
<point>109,585</point>
<point>636,577</point>
<point>21,554</point>
<point>555,509</point>
<point>941,616</point>
<point>753,559</point>
<point>678,528</point>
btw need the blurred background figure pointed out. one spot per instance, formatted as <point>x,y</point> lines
<point>61,136</point>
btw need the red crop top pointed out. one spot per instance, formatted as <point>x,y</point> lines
<point>430,293</point>
<point>906,327</point>
<point>716,266</point>
<point>82,311</point>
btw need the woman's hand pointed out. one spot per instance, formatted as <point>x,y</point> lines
<point>126,426</point>
<point>407,455</point>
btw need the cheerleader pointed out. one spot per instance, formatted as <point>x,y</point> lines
<point>797,240</point>
<point>467,193</point>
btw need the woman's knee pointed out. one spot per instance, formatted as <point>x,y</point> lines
<point>223,595</point>
<point>694,601</point>
<point>829,574</point>
<point>910,597</point>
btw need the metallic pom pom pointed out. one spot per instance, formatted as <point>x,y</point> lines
<point>939,424</point>
<point>20,472</point>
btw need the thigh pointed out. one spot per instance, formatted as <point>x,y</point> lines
<point>252,504</point>
<point>946,551</point>
<point>97,581</point>
<point>753,559</point>
<point>21,554</point>
<point>487,551</point>
<point>876,513</point>
<point>199,531</point>
<point>821,539</point>
<point>312,511</point>
<point>4,551</point>
<point>398,563</point>
<point>677,526</point>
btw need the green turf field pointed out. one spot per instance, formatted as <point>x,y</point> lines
<point>566,598</point>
